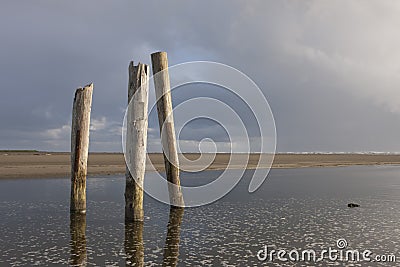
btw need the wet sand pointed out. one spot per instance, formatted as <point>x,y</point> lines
<point>44,165</point>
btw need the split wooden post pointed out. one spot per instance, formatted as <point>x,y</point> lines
<point>136,140</point>
<point>167,129</point>
<point>80,147</point>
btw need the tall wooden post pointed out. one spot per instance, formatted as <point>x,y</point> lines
<point>136,140</point>
<point>167,129</point>
<point>80,147</point>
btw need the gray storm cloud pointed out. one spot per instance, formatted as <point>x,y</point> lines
<point>330,69</point>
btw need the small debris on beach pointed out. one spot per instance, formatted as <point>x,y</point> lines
<point>353,205</point>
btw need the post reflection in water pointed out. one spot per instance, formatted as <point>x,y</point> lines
<point>171,249</point>
<point>77,230</point>
<point>133,244</point>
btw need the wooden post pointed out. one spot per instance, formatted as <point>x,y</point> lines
<point>171,248</point>
<point>80,147</point>
<point>133,244</point>
<point>136,140</point>
<point>167,130</point>
<point>77,229</point>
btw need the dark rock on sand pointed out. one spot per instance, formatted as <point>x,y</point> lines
<point>352,205</point>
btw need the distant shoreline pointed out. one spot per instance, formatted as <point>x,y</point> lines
<point>34,164</point>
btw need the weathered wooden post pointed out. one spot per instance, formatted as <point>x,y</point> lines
<point>171,248</point>
<point>167,129</point>
<point>136,140</point>
<point>80,147</point>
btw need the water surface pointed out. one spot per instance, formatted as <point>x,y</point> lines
<point>294,208</point>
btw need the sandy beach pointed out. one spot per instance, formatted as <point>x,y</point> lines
<point>44,164</point>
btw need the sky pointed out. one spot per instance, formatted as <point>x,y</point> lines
<point>330,70</point>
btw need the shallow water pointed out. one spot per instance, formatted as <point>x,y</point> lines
<point>294,208</point>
